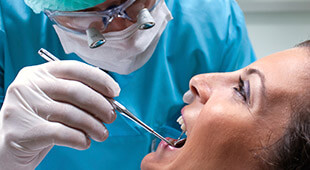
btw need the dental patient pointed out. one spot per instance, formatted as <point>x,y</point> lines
<point>254,118</point>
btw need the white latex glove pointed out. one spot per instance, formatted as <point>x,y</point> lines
<point>57,103</point>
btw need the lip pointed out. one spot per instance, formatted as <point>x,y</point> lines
<point>165,152</point>
<point>182,110</point>
<point>165,146</point>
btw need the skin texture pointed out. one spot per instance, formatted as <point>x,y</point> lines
<point>224,131</point>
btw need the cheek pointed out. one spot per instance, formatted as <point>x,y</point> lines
<point>225,108</point>
<point>118,24</point>
<point>222,129</point>
<point>191,113</point>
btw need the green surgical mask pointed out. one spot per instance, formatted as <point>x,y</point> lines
<point>61,5</point>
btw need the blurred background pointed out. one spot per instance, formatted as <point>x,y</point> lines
<point>275,25</point>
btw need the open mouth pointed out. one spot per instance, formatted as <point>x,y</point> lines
<point>179,143</point>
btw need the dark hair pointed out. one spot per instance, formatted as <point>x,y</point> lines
<point>304,44</point>
<point>292,150</point>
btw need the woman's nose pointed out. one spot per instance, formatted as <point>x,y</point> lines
<point>203,85</point>
<point>200,88</point>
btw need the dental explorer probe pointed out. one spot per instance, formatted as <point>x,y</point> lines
<point>116,105</point>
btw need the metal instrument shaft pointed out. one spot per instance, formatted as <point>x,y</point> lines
<point>115,104</point>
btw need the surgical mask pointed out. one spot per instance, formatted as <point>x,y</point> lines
<point>124,51</point>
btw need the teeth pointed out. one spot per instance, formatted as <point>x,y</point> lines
<point>179,119</point>
<point>181,122</point>
<point>183,127</point>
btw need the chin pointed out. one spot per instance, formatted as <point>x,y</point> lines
<point>164,158</point>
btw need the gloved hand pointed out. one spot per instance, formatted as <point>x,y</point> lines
<point>56,103</point>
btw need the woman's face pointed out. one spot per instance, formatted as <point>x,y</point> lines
<point>235,115</point>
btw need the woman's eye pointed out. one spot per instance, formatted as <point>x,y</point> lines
<point>243,89</point>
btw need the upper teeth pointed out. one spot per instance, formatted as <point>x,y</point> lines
<point>181,122</point>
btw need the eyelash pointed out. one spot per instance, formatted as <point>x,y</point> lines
<point>240,89</point>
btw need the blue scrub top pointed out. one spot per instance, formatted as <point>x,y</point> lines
<point>204,36</point>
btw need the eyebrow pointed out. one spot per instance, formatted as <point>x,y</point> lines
<point>250,71</point>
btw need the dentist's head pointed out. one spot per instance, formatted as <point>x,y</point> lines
<point>116,35</point>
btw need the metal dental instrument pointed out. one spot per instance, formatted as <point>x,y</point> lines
<point>116,105</point>
<point>47,55</point>
<point>119,107</point>
<point>181,135</point>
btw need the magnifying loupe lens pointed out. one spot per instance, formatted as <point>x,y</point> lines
<point>145,19</point>
<point>94,38</point>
